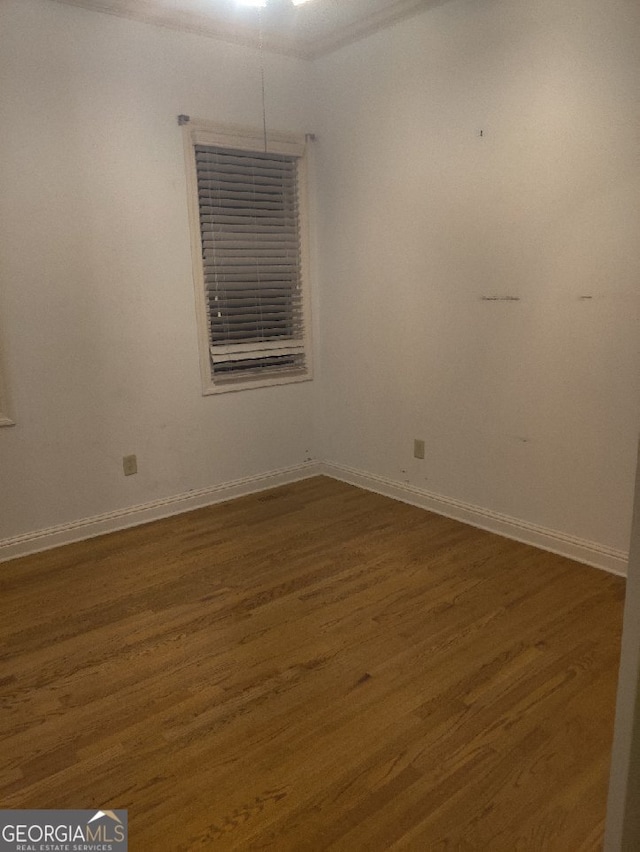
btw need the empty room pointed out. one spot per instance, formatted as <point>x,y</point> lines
<point>319,412</point>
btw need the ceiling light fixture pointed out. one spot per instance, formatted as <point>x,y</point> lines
<point>261,4</point>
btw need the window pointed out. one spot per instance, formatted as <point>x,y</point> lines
<point>248,221</point>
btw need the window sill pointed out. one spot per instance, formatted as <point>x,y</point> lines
<point>239,385</point>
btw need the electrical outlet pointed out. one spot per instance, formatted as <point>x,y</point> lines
<point>418,449</point>
<point>129,465</point>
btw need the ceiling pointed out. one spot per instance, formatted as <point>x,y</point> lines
<point>309,30</point>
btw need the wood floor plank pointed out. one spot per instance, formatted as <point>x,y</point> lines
<point>314,667</point>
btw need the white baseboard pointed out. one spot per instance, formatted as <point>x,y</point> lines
<point>45,539</point>
<point>587,552</point>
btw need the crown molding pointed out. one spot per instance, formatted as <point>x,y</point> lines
<point>189,22</point>
<point>365,26</point>
<point>298,44</point>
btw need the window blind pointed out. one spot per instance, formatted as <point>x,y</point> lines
<point>251,256</point>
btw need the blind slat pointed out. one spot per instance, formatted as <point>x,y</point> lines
<point>250,241</point>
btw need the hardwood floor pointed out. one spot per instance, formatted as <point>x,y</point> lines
<point>315,667</point>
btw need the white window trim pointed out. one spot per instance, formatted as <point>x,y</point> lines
<point>200,132</point>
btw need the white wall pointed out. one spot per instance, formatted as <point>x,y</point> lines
<point>96,297</point>
<point>528,408</point>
